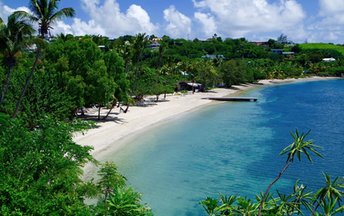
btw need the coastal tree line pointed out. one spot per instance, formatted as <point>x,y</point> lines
<point>45,80</point>
<point>85,72</point>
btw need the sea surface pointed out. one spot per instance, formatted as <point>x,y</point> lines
<point>233,148</point>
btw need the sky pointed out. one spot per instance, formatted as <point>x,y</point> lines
<point>256,20</point>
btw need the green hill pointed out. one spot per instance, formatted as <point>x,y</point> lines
<point>310,46</point>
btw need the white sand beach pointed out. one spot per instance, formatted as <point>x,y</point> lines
<point>107,136</point>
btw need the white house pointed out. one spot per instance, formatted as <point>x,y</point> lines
<point>329,59</point>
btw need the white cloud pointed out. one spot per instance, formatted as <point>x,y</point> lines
<point>329,25</point>
<point>80,27</point>
<point>107,19</point>
<point>208,23</point>
<point>242,18</point>
<point>179,25</point>
<point>5,11</point>
<point>61,27</point>
<point>328,7</point>
<point>141,16</point>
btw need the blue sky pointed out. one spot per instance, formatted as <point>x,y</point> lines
<point>256,20</point>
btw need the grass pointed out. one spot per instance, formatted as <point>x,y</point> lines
<point>309,46</point>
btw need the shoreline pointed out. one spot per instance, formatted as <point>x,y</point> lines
<point>111,136</point>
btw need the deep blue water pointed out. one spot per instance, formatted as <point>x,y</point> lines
<point>233,148</point>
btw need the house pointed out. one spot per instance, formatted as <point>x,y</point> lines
<point>260,43</point>
<point>288,53</point>
<point>103,48</point>
<point>328,59</point>
<point>190,86</point>
<point>213,57</point>
<point>277,51</point>
<point>156,39</point>
<point>154,45</point>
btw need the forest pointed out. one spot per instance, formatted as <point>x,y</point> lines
<point>45,80</point>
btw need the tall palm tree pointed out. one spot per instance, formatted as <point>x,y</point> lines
<point>45,13</point>
<point>13,39</point>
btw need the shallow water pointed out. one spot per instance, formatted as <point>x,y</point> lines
<point>232,148</point>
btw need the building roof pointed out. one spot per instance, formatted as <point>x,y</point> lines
<point>154,45</point>
<point>329,59</point>
<point>213,56</point>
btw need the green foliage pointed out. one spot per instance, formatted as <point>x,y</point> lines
<point>87,75</point>
<point>118,199</point>
<point>235,72</point>
<point>144,82</point>
<point>126,202</point>
<point>46,98</point>
<point>300,146</point>
<point>322,46</point>
<point>40,173</point>
<point>116,70</point>
<point>14,37</point>
<point>206,73</point>
<point>110,178</point>
<point>4,119</point>
<point>210,205</point>
<point>332,192</point>
<point>40,169</point>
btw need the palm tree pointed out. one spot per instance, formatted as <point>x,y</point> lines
<point>298,147</point>
<point>140,43</point>
<point>13,39</point>
<point>45,13</point>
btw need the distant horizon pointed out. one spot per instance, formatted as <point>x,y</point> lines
<point>320,21</point>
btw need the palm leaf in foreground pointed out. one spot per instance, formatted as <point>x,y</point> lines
<point>298,147</point>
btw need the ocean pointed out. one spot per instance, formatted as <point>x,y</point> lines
<point>233,148</point>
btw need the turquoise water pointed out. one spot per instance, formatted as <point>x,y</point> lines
<point>233,148</point>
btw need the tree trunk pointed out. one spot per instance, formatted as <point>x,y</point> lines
<point>126,109</point>
<point>82,111</point>
<point>271,184</point>
<point>38,52</point>
<point>112,106</point>
<point>99,107</point>
<point>6,84</point>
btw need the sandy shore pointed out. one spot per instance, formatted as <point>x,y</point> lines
<point>107,136</point>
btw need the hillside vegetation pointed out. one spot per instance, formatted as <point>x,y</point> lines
<point>310,46</point>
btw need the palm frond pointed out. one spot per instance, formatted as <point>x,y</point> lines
<point>300,146</point>
<point>37,7</point>
<point>65,12</point>
<point>25,15</point>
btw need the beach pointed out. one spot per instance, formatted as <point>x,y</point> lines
<point>110,136</point>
